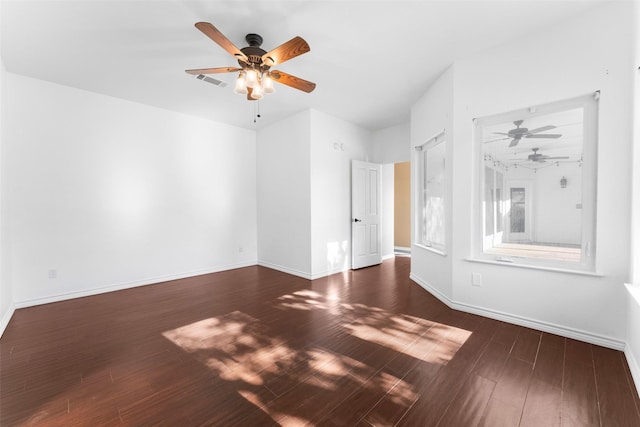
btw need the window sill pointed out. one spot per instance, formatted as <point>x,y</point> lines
<point>431,249</point>
<point>535,267</point>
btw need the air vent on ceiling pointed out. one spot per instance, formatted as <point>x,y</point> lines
<point>211,80</point>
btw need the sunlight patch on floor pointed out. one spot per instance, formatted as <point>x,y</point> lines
<point>235,346</point>
<point>423,339</point>
<point>428,347</point>
<point>241,349</point>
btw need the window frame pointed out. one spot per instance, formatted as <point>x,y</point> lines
<point>589,104</point>
<point>419,238</point>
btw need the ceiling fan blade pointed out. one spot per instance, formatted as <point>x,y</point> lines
<point>495,140</point>
<point>286,51</point>
<point>213,70</point>
<point>293,81</point>
<point>556,158</point>
<point>514,142</point>
<point>501,133</point>
<point>542,129</point>
<point>544,135</point>
<point>214,34</point>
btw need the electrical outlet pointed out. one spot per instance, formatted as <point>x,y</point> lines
<point>476,279</point>
<point>240,249</point>
<point>53,274</point>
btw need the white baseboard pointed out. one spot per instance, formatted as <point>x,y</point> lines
<point>633,367</point>
<point>328,273</point>
<point>6,318</point>
<point>126,285</point>
<point>299,273</point>
<point>388,256</point>
<point>287,270</point>
<point>523,321</point>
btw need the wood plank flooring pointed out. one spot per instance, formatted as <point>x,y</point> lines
<point>256,347</point>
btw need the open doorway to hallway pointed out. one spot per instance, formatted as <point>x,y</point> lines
<point>402,209</point>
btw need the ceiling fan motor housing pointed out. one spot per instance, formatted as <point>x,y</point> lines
<point>254,52</point>
<point>518,132</point>
<point>254,40</point>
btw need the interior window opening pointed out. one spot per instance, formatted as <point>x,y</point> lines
<point>538,177</point>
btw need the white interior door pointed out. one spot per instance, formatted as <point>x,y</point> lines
<point>519,224</point>
<point>365,214</point>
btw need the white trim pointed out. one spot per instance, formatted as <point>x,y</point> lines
<point>306,275</point>
<point>431,249</point>
<point>419,147</point>
<point>633,295</point>
<point>287,270</point>
<point>6,318</point>
<point>402,249</point>
<point>523,321</point>
<point>126,285</point>
<point>633,367</point>
<point>433,291</point>
<point>388,256</point>
<point>512,262</point>
<point>328,273</point>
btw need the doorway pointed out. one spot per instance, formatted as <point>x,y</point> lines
<point>402,208</point>
<point>519,225</point>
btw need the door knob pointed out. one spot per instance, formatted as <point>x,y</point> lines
<point>357,220</point>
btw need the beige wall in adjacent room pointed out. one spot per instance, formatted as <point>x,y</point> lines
<point>402,204</point>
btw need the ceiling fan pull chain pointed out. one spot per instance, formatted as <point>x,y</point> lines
<point>256,111</point>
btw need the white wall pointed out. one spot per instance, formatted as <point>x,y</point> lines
<point>111,194</point>
<point>635,158</point>
<point>389,145</point>
<point>551,202</point>
<point>429,116</point>
<point>304,193</point>
<point>6,291</point>
<point>284,195</point>
<point>331,190</point>
<point>580,56</point>
<point>387,220</point>
<point>632,350</point>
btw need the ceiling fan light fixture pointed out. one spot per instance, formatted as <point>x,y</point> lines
<point>257,93</point>
<point>267,84</point>
<point>241,84</point>
<point>252,78</point>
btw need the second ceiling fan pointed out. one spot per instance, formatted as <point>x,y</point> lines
<point>541,158</point>
<point>256,76</point>
<point>518,133</point>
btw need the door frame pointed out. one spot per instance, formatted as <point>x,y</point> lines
<point>528,234</point>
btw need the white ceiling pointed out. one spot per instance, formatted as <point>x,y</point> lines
<point>371,60</point>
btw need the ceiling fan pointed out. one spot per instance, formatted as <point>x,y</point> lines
<point>255,74</point>
<point>518,133</point>
<point>541,158</point>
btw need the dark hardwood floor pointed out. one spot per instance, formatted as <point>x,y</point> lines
<point>256,347</point>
